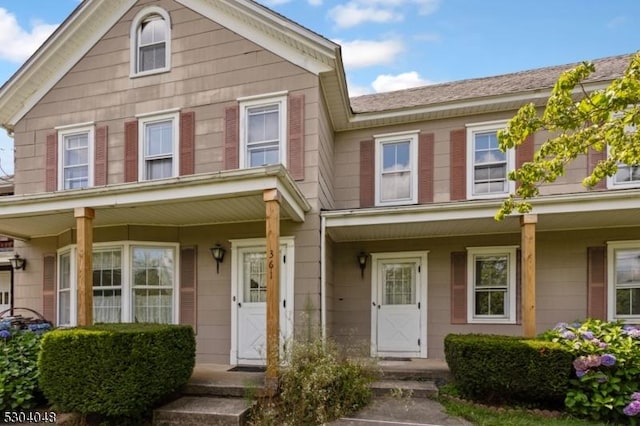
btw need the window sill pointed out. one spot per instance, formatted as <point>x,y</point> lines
<point>148,73</point>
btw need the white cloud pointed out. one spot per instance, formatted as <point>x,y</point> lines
<point>16,43</point>
<point>353,14</point>
<point>355,90</point>
<point>357,12</point>
<point>366,53</point>
<point>388,83</point>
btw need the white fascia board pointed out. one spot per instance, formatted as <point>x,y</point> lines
<point>481,209</point>
<point>206,186</point>
<point>88,25</point>
<point>246,19</point>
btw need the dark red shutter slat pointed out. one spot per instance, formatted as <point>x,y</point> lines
<point>231,137</point>
<point>518,286</point>
<point>100,167</point>
<point>367,173</point>
<point>593,158</point>
<point>49,288</point>
<point>597,282</point>
<point>425,168</point>
<point>524,152</point>
<point>187,142</point>
<point>131,151</point>
<point>51,162</point>
<point>295,146</point>
<point>458,164</point>
<point>188,286</point>
<point>459,288</point>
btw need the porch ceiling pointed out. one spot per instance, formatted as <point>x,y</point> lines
<point>555,213</point>
<point>224,197</point>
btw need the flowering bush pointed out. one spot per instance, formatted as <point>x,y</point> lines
<point>607,369</point>
<point>18,365</point>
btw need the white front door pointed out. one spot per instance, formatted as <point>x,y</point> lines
<point>399,305</point>
<point>5,290</point>
<point>249,298</point>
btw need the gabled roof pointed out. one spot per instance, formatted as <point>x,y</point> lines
<point>91,20</point>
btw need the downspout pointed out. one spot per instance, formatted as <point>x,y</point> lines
<point>323,278</point>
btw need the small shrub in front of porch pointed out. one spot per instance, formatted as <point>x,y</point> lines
<point>506,369</point>
<point>317,385</point>
<point>117,371</point>
<point>606,361</point>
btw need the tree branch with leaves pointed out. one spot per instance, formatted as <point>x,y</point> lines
<point>578,121</point>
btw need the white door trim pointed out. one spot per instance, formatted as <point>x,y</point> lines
<point>421,283</point>
<point>289,252</point>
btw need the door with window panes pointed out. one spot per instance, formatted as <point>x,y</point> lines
<point>398,307</point>
<point>5,290</point>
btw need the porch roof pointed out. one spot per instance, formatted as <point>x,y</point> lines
<point>589,210</point>
<point>211,198</point>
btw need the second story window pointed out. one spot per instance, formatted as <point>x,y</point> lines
<point>150,42</point>
<point>396,168</point>
<point>75,160</point>
<point>488,166</point>
<point>263,131</point>
<point>158,145</point>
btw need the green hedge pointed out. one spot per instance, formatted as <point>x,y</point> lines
<point>115,369</point>
<point>492,368</point>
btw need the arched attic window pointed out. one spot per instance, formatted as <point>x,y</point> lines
<point>150,42</point>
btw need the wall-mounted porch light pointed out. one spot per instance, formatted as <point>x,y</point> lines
<point>362,262</point>
<point>18,262</point>
<point>217,251</point>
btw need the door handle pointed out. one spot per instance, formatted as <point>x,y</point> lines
<point>373,303</point>
<point>239,305</point>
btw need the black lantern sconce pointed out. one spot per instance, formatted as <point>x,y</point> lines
<point>218,252</point>
<point>362,262</point>
<point>18,262</point>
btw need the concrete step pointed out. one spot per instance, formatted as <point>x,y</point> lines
<point>222,390</point>
<point>438,375</point>
<point>405,388</point>
<point>191,410</point>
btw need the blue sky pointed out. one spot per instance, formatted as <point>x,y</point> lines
<point>395,44</point>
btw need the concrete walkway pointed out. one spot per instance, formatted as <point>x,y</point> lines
<point>402,411</point>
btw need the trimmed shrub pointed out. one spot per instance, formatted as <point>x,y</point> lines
<point>499,369</point>
<point>115,370</point>
<point>18,366</point>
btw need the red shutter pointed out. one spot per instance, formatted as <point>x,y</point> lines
<point>187,142</point>
<point>458,165</point>
<point>131,151</point>
<point>459,287</point>
<point>593,158</point>
<point>51,163</point>
<point>367,173</point>
<point>518,286</point>
<point>231,137</point>
<point>425,168</point>
<point>188,286</point>
<point>101,148</point>
<point>597,282</point>
<point>524,152</point>
<point>49,288</point>
<point>295,145</point>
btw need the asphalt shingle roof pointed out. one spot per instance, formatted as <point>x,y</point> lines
<point>524,81</point>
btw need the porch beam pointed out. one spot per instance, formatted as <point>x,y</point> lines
<point>84,261</point>
<point>272,200</point>
<point>528,266</point>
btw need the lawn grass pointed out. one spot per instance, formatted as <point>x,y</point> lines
<point>487,416</point>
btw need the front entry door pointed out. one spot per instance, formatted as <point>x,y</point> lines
<point>5,290</point>
<point>251,307</point>
<point>399,319</point>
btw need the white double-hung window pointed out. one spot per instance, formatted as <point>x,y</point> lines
<point>396,168</point>
<point>75,156</point>
<point>158,138</point>
<point>132,282</point>
<point>623,267</point>
<point>150,42</point>
<point>487,166</point>
<point>263,131</point>
<point>492,284</point>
